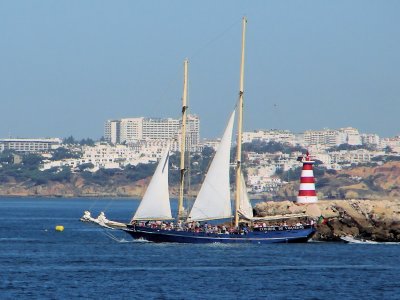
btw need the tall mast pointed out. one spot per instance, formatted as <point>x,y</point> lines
<point>239,127</point>
<point>183,138</point>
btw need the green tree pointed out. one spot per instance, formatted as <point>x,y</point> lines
<point>85,166</point>
<point>271,147</point>
<point>70,141</point>
<point>86,142</point>
<point>32,160</point>
<point>388,149</point>
<point>6,156</point>
<point>63,153</point>
<point>140,171</point>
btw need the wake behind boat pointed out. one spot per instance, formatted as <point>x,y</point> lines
<point>352,240</point>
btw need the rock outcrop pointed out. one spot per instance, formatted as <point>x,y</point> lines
<point>377,220</point>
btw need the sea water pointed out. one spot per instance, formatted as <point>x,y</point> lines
<point>89,262</point>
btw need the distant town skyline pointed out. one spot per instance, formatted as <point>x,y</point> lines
<point>67,66</point>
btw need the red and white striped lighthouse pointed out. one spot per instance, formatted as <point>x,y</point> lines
<point>307,182</point>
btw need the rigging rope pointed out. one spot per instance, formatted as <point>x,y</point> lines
<point>216,38</point>
<point>196,53</point>
<point>114,238</point>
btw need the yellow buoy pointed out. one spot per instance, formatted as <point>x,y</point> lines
<point>59,228</point>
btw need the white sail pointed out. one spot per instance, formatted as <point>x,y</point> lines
<point>245,208</point>
<point>213,200</point>
<point>155,204</point>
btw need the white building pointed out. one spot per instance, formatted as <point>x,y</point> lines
<point>393,143</point>
<point>324,157</point>
<point>30,145</point>
<point>113,156</point>
<point>353,156</point>
<point>351,135</point>
<point>370,139</point>
<point>280,136</point>
<point>325,137</point>
<point>132,130</point>
<point>212,143</point>
<point>112,131</point>
<point>192,133</point>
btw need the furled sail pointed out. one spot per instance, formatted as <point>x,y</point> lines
<point>245,208</point>
<point>213,200</point>
<point>155,204</point>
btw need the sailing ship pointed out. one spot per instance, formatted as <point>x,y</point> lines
<point>153,219</point>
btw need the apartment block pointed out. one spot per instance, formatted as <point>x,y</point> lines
<point>351,135</point>
<point>281,136</point>
<point>326,137</point>
<point>134,130</point>
<point>30,145</point>
<point>112,131</point>
<point>370,139</point>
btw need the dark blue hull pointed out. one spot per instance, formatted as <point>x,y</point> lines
<point>284,234</point>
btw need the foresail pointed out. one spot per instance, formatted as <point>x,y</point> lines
<point>245,208</point>
<point>213,200</point>
<point>155,204</point>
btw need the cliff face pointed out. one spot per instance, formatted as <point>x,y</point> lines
<point>377,220</point>
<point>117,185</point>
<point>356,183</point>
<point>362,182</point>
<point>76,187</point>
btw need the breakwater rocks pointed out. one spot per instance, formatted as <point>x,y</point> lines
<point>377,220</point>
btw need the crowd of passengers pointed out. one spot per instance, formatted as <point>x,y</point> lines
<point>209,228</point>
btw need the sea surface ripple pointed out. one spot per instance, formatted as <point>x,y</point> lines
<point>88,262</point>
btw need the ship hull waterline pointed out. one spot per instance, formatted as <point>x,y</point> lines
<point>300,235</point>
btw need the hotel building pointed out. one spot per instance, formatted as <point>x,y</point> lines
<point>30,145</point>
<point>134,130</point>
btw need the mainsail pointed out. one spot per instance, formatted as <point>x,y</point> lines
<point>213,200</point>
<point>245,208</point>
<point>155,204</point>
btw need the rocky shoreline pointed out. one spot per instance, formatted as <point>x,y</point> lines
<point>376,220</point>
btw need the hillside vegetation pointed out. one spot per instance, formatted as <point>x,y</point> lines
<point>360,182</point>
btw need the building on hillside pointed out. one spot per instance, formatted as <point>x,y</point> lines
<point>260,183</point>
<point>332,137</point>
<point>324,157</point>
<point>104,156</point>
<point>370,139</point>
<point>133,130</point>
<point>351,136</point>
<point>353,156</point>
<point>327,137</point>
<point>152,149</point>
<point>30,145</point>
<point>112,131</point>
<point>211,143</point>
<point>280,136</point>
<point>192,133</point>
<point>393,143</point>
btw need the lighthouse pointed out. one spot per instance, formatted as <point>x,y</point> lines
<point>307,182</point>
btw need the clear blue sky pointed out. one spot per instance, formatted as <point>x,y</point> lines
<point>68,66</point>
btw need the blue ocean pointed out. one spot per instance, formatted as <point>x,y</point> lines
<point>88,262</point>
